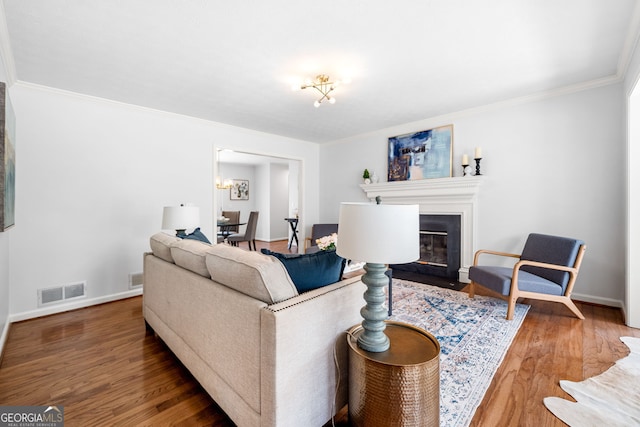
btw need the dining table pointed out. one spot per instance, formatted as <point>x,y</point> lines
<point>226,226</point>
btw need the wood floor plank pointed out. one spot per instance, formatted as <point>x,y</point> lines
<point>105,368</point>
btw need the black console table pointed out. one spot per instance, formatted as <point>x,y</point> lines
<point>293,222</point>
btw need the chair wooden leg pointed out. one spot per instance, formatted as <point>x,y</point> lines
<point>511,308</point>
<point>573,308</point>
<point>472,289</point>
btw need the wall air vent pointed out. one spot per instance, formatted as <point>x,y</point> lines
<point>135,280</point>
<point>51,295</point>
<point>60,294</point>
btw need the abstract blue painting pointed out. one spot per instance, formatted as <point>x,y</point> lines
<point>421,155</point>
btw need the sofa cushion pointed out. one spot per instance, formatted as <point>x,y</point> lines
<point>190,254</point>
<point>252,273</point>
<point>161,245</point>
<point>311,271</point>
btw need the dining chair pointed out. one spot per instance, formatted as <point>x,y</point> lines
<point>234,218</point>
<point>249,235</point>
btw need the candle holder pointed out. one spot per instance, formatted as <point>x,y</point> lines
<point>464,170</point>
<point>478,165</point>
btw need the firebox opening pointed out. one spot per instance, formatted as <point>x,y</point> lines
<point>439,248</point>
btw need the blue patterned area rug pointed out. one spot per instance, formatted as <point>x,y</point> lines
<point>474,337</point>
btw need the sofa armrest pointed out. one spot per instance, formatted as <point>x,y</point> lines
<point>302,339</point>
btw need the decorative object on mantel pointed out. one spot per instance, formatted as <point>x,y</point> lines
<point>421,155</point>
<point>477,158</point>
<point>465,164</point>
<point>366,176</point>
<point>377,234</point>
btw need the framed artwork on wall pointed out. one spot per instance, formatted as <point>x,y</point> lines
<point>421,155</point>
<point>240,189</point>
<point>7,161</point>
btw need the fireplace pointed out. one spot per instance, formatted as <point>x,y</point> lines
<point>445,197</point>
<point>439,248</point>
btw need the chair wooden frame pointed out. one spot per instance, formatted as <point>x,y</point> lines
<point>515,293</point>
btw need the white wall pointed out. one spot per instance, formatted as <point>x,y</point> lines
<point>552,165</point>
<point>279,202</point>
<point>93,177</point>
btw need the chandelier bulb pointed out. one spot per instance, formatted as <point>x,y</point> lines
<point>332,100</point>
<point>316,104</point>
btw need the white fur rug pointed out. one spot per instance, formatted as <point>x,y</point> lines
<point>609,399</point>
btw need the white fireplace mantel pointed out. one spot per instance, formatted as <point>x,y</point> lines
<point>441,196</point>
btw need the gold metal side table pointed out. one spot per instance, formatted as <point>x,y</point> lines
<point>397,387</point>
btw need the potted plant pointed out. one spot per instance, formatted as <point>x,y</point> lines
<point>366,176</point>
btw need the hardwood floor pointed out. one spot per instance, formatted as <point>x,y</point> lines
<point>105,369</point>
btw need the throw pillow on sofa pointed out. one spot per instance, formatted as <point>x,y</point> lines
<point>195,235</point>
<point>311,271</point>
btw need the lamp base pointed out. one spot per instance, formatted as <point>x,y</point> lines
<point>373,338</point>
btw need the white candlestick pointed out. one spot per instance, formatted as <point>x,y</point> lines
<point>478,153</point>
<point>465,160</point>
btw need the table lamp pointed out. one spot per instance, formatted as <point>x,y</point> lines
<point>180,218</point>
<point>377,234</point>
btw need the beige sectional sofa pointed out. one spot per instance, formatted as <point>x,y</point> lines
<point>234,318</point>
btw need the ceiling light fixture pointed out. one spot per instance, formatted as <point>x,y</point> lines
<point>323,85</point>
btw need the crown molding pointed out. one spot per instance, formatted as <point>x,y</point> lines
<point>630,43</point>
<point>487,108</point>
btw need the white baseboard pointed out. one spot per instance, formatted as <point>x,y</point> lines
<point>624,314</point>
<point>72,306</point>
<point>610,302</point>
<point>4,335</point>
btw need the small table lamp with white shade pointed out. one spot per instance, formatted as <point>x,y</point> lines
<point>377,234</point>
<point>180,218</point>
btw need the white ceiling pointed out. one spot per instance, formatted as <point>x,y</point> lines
<point>235,61</point>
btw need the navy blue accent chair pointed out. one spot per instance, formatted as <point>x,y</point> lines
<point>546,270</point>
<point>318,231</point>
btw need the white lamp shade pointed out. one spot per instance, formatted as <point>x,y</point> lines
<point>180,217</point>
<point>383,234</point>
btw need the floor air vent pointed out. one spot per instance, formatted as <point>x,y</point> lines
<point>61,293</point>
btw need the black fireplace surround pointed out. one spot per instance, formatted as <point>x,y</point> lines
<point>439,248</point>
